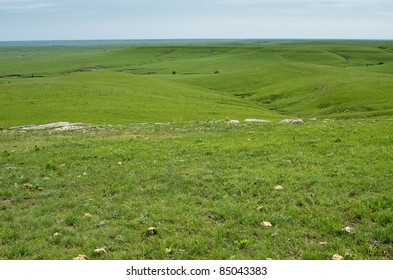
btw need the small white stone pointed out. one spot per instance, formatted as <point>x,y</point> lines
<point>152,231</point>
<point>100,251</point>
<point>81,258</point>
<point>278,188</point>
<point>337,257</point>
<point>266,224</point>
<point>348,229</point>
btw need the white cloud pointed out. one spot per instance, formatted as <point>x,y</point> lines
<point>23,5</point>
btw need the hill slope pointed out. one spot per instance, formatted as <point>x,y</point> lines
<point>195,82</point>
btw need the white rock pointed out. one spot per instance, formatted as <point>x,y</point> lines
<point>100,251</point>
<point>292,121</point>
<point>152,230</point>
<point>54,126</point>
<point>256,121</point>
<point>81,258</point>
<point>278,188</point>
<point>266,224</point>
<point>348,229</point>
<point>337,257</point>
<point>297,121</point>
<point>233,121</point>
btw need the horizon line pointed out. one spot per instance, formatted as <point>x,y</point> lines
<point>195,39</point>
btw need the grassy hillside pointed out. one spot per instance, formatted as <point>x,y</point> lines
<point>109,97</point>
<point>206,186</point>
<point>195,82</point>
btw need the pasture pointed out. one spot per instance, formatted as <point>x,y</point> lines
<point>157,151</point>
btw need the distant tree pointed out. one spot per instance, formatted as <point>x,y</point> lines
<point>173,72</point>
<point>216,72</point>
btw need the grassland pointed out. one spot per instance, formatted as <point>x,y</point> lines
<point>159,153</point>
<point>121,86</point>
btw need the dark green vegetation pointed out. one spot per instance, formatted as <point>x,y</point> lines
<point>206,186</point>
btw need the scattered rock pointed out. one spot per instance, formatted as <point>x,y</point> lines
<point>56,234</point>
<point>168,251</point>
<point>8,200</point>
<point>53,126</point>
<point>297,121</point>
<point>292,121</point>
<point>259,208</point>
<point>256,121</point>
<point>81,258</point>
<point>348,229</point>
<point>88,215</point>
<point>28,186</point>
<point>323,243</point>
<point>100,251</point>
<point>233,121</point>
<point>152,231</point>
<point>266,224</point>
<point>337,257</point>
<point>278,188</point>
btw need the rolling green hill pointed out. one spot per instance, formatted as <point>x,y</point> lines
<point>102,85</point>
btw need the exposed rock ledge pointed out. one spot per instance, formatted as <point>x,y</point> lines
<point>53,126</point>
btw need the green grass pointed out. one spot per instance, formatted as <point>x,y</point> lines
<point>159,154</point>
<point>115,98</point>
<point>136,84</point>
<point>200,185</point>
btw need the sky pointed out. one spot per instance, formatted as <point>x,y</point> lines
<point>195,19</point>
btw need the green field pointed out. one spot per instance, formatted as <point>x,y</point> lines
<point>157,151</point>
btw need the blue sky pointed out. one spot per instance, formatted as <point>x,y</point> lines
<point>174,19</point>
